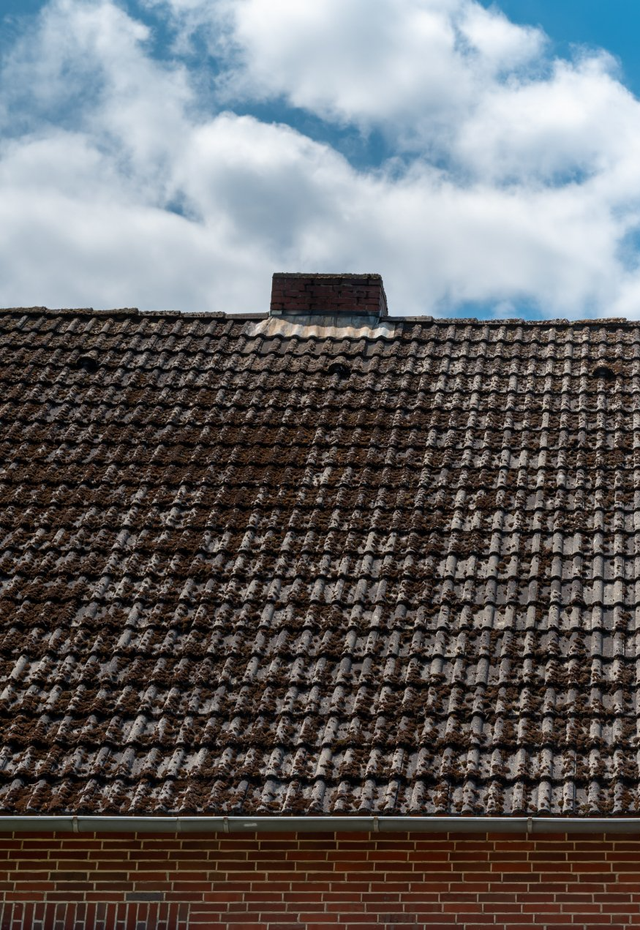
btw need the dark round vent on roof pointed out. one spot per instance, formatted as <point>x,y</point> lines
<point>339,369</point>
<point>604,372</point>
<point>87,362</point>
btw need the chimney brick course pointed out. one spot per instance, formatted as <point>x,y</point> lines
<point>326,294</point>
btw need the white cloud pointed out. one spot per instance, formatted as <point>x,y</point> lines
<point>500,44</point>
<point>579,120</point>
<point>86,68</point>
<point>518,179</point>
<point>410,67</point>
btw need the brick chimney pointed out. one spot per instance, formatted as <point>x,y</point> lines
<point>328,295</point>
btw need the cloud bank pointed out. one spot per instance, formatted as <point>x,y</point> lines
<point>510,178</point>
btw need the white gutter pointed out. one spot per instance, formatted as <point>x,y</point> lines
<point>285,824</point>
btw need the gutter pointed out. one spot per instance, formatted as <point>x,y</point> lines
<point>344,824</point>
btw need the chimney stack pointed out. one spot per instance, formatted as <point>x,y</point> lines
<point>328,295</point>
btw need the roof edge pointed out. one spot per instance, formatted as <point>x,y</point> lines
<point>123,312</point>
<point>321,824</point>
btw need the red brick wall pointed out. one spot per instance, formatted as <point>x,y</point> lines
<point>299,293</point>
<point>289,882</point>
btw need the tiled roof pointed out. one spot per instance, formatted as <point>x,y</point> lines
<point>252,567</point>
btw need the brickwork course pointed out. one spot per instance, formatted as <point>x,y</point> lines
<point>289,882</point>
<point>319,562</point>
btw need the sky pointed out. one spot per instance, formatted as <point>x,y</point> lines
<point>172,154</point>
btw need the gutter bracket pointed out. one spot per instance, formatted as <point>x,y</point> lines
<point>75,825</point>
<point>529,826</point>
<point>225,824</point>
<point>376,825</point>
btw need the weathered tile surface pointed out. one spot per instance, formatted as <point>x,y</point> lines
<point>246,571</point>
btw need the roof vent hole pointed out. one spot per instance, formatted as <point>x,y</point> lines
<point>604,372</point>
<point>339,369</point>
<point>87,362</point>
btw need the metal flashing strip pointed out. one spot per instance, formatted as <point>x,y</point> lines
<point>325,326</point>
<point>285,824</point>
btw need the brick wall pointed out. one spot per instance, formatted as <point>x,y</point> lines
<point>289,882</point>
<point>313,293</point>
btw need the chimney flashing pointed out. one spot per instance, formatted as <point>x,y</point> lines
<point>335,295</point>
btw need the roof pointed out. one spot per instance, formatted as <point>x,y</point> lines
<point>249,566</point>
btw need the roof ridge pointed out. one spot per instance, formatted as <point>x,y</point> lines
<point>221,315</point>
<point>130,312</point>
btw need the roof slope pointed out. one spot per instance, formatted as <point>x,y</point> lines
<point>249,567</point>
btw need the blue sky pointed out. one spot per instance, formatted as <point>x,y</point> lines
<point>613,25</point>
<point>174,153</point>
